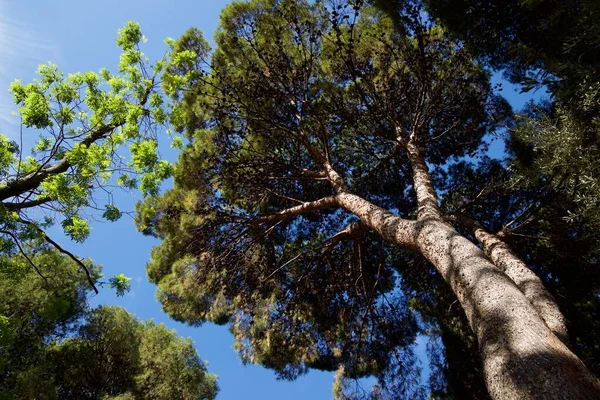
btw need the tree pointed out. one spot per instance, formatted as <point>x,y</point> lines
<point>550,197</point>
<point>33,311</point>
<point>86,123</point>
<point>291,216</point>
<point>122,356</point>
<point>534,42</point>
<point>53,346</point>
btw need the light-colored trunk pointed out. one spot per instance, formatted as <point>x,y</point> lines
<point>422,184</point>
<point>525,279</point>
<point>522,358</point>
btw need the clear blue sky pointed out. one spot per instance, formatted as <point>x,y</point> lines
<point>79,36</point>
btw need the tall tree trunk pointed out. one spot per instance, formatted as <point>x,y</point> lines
<point>529,283</point>
<point>522,358</point>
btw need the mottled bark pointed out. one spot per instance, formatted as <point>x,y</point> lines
<point>423,185</point>
<point>522,358</point>
<point>391,228</point>
<point>526,280</point>
<point>304,208</point>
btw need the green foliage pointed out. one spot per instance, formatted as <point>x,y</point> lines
<point>120,283</point>
<point>53,346</point>
<point>88,124</point>
<point>127,358</point>
<point>112,213</point>
<point>171,368</point>
<point>287,76</point>
<point>97,131</point>
<point>35,310</point>
<point>76,228</point>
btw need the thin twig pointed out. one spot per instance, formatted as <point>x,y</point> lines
<point>66,252</point>
<point>27,257</point>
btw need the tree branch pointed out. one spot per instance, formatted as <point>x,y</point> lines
<point>353,230</point>
<point>66,252</point>
<point>422,182</point>
<point>34,179</point>
<point>25,204</point>
<point>325,202</point>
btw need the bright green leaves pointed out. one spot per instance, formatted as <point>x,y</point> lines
<point>153,171</point>
<point>144,154</point>
<point>126,181</point>
<point>112,213</point>
<point>76,228</point>
<point>7,152</point>
<point>177,142</point>
<point>96,130</point>
<point>129,36</point>
<point>187,62</point>
<point>34,106</point>
<point>120,283</point>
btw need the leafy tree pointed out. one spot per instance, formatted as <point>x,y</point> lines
<point>53,347</point>
<point>87,123</point>
<point>307,196</point>
<point>36,310</point>
<point>121,356</point>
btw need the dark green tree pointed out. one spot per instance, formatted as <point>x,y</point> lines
<point>33,311</point>
<point>52,346</point>
<point>306,185</point>
<point>115,355</point>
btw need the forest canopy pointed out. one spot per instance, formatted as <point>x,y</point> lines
<point>339,202</point>
<point>336,169</point>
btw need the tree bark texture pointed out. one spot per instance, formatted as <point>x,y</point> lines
<point>525,279</point>
<point>522,358</point>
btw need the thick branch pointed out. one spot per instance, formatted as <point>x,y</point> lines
<point>26,204</point>
<point>423,184</point>
<point>353,230</point>
<point>396,230</point>
<point>525,279</point>
<point>325,202</point>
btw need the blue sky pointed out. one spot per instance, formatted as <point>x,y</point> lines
<point>79,36</point>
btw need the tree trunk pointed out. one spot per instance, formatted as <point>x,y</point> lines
<point>526,280</point>
<point>521,357</point>
<point>529,283</point>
